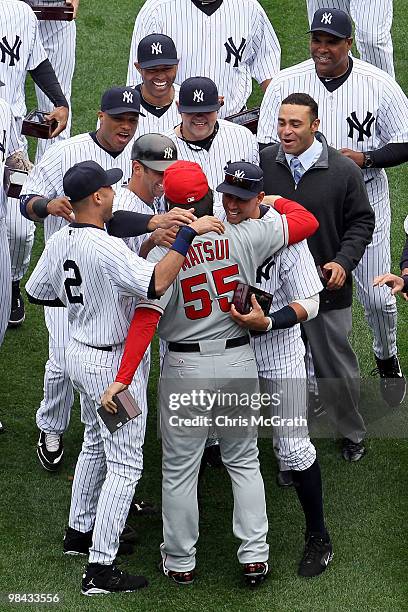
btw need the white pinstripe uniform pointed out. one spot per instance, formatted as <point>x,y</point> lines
<point>99,291</point>
<point>231,142</point>
<point>234,44</point>
<point>373,28</point>
<point>9,143</point>
<point>58,39</point>
<point>20,50</point>
<point>213,264</point>
<point>46,180</point>
<point>152,124</point>
<point>366,112</point>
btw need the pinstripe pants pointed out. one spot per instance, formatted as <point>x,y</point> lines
<point>5,280</point>
<point>109,465</point>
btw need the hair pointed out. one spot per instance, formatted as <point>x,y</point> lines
<point>303,99</point>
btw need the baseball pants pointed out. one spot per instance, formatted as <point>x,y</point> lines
<point>183,449</point>
<point>337,370</point>
<point>20,234</point>
<point>5,280</point>
<point>109,465</point>
<point>372,28</point>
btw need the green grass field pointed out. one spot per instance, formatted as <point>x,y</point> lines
<point>366,505</point>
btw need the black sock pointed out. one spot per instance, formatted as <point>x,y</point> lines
<point>308,485</point>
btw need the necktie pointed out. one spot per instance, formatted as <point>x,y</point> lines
<point>297,169</point>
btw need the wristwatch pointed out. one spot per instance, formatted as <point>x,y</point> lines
<point>368,161</point>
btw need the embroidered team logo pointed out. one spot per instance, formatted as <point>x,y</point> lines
<point>239,175</point>
<point>326,18</point>
<point>168,153</point>
<point>13,52</point>
<point>234,51</point>
<point>128,97</point>
<point>198,95</point>
<point>156,49</point>
<point>363,129</point>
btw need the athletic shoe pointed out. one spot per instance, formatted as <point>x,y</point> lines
<point>17,313</point>
<point>353,451</point>
<point>128,534</point>
<point>212,456</point>
<point>103,579</point>
<point>284,478</point>
<point>78,543</point>
<point>392,383</point>
<point>50,450</point>
<point>255,573</point>
<point>139,507</point>
<point>315,405</point>
<point>178,577</point>
<point>317,554</point>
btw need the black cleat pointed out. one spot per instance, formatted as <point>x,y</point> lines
<point>128,534</point>
<point>104,579</point>
<point>212,456</point>
<point>78,543</point>
<point>315,405</point>
<point>255,573</point>
<point>284,478</point>
<point>139,507</point>
<point>178,577</point>
<point>317,554</point>
<point>50,450</point>
<point>352,451</point>
<point>392,381</point>
<point>17,313</point>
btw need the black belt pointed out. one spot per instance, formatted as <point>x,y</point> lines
<point>108,349</point>
<point>194,347</point>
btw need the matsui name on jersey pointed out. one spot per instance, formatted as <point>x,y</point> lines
<point>207,251</point>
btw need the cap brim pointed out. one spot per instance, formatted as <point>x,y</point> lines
<point>243,194</point>
<point>328,31</point>
<point>123,109</point>
<point>159,166</point>
<point>114,176</point>
<point>159,62</point>
<point>199,109</point>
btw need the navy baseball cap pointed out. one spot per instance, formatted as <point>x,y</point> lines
<point>242,179</point>
<point>156,50</point>
<point>333,21</point>
<point>118,100</point>
<point>85,178</point>
<point>198,94</point>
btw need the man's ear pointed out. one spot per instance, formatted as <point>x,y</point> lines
<point>315,125</point>
<point>261,196</point>
<point>137,66</point>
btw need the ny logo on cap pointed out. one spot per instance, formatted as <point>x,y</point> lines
<point>128,97</point>
<point>327,18</point>
<point>168,153</point>
<point>156,48</point>
<point>238,176</point>
<point>198,95</point>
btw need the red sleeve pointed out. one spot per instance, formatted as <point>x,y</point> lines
<point>140,335</point>
<point>301,223</point>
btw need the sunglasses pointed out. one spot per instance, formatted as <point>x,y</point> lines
<point>245,183</point>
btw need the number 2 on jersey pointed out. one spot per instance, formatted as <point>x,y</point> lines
<point>192,292</point>
<point>70,283</point>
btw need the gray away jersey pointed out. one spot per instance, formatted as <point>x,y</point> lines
<point>96,277</point>
<point>232,46</point>
<point>196,307</point>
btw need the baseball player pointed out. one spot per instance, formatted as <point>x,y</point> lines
<point>228,41</point>
<point>21,52</point>
<point>373,28</point>
<point>203,138</point>
<point>59,40</point>
<point>42,198</point>
<point>80,264</point>
<point>204,343</point>
<point>356,107</point>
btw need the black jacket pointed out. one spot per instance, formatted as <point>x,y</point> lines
<point>333,190</point>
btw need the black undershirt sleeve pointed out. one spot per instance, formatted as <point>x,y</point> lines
<point>45,77</point>
<point>393,154</point>
<point>404,256</point>
<point>126,224</point>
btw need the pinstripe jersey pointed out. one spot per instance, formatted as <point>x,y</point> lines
<point>127,200</point>
<point>196,306</point>
<point>158,125</point>
<point>9,143</point>
<point>368,111</point>
<point>234,44</point>
<point>46,177</point>
<point>232,142</point>
<point>20,50</point>
<point>96,277</point>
